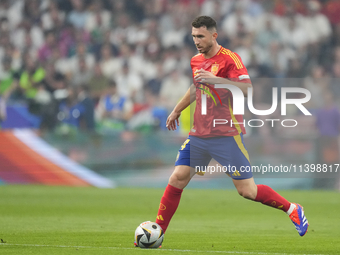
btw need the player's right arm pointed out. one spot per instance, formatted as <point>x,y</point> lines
<point>173,118</point>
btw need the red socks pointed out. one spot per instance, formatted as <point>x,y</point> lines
<point>172,196</point>
<point>268,196</point>
<point>168,206</point>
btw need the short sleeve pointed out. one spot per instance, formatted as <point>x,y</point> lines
<point>236,71</point>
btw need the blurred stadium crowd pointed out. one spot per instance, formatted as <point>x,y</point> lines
<point>117,65</point>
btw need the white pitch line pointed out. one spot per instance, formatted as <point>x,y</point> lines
<point>159,250</point>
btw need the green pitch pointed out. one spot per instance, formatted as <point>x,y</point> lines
<point>63,220</point>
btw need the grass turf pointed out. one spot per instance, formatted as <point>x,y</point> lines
<point>64,220</point>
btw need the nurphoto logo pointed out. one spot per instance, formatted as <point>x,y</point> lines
<point>238,104</point>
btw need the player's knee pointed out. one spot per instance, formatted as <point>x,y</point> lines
<point>178,181</point>
<point>247,193</point>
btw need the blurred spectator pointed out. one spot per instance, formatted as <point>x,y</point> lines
<point>255,8</point>
<point>114,106</point>
<point>129,84</point>
<point>82,53</point>
<point>166,21</point>
<point>32,10</point>
<point>153,48</point>
<point>237,18</point>
<point>318,29</point>
<point>98,84</point>
<point>214,8</point>
<point>98,18</point>
<point>148,116</point>
<point>86,121</point>
<point>294,34</point>
<point>27,29</point>
<point>77,110</point>
<point>82,74</point>
<point>8,78</point>
<point>109,65</point>
<point>119,35</point>
<point>317,26</point>
<point>146,65</point>
<point>138,34</point>
<point>78,16</point>
<point>4,6</point>
<point>80,37</point>
<point>70,38</point>
<point>61,64</point>
<point>50,77</point>
<point>154,85</point>
<point>245,48</point>
<point>136,9</point>
<point>4,29</point>
<point>317,83</point>
<point>14,12</point>
<point>118,6</point>
<point>287,7</point>
<point>332,10</point>
<point>45,52</point>
<point>170,60</point>
<point>103,38</point>
<point>173,89</point>
<point>275,60</point>
<point>59,84</point>
<point>53,18</point>
<point>175,36</point>
<point>261,22</point>
<point>47,110</point>
<point>268,34</point>
<point>69,111</point>
<point>31,78</point>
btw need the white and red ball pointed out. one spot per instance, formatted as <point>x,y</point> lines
<point>149,235</point>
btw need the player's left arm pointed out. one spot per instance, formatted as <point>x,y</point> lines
<point>207,77</point>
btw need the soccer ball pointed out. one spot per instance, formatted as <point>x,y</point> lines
<point>149,235</point>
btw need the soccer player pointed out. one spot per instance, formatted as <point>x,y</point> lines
<point>217,65</point>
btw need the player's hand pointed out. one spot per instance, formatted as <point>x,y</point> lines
<point>173,120</point>
<point>204,76</point>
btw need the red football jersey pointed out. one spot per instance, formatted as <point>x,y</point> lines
<point>225,64</point>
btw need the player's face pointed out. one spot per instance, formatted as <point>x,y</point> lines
<point>203,39</point>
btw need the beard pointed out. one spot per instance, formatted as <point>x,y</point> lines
<point>206,49</point>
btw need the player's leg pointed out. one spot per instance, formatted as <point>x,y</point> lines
<point>246,188</point>
<point>264,194</point>
<point>187,155</point>
<point>172,194</point>
<point>235,154</point>
<point>267,196</point>
<point>260,193</point>
<point>181,176</point>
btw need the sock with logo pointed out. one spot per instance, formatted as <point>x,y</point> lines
<point>168,206</point>
<point>267,196</point>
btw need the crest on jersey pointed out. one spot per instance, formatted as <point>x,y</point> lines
<point>214,69</point>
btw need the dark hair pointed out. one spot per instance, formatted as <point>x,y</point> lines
<point>204,21</point>
<point>48,32</point>
<point>112,83</point>
<point>84,87</point>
